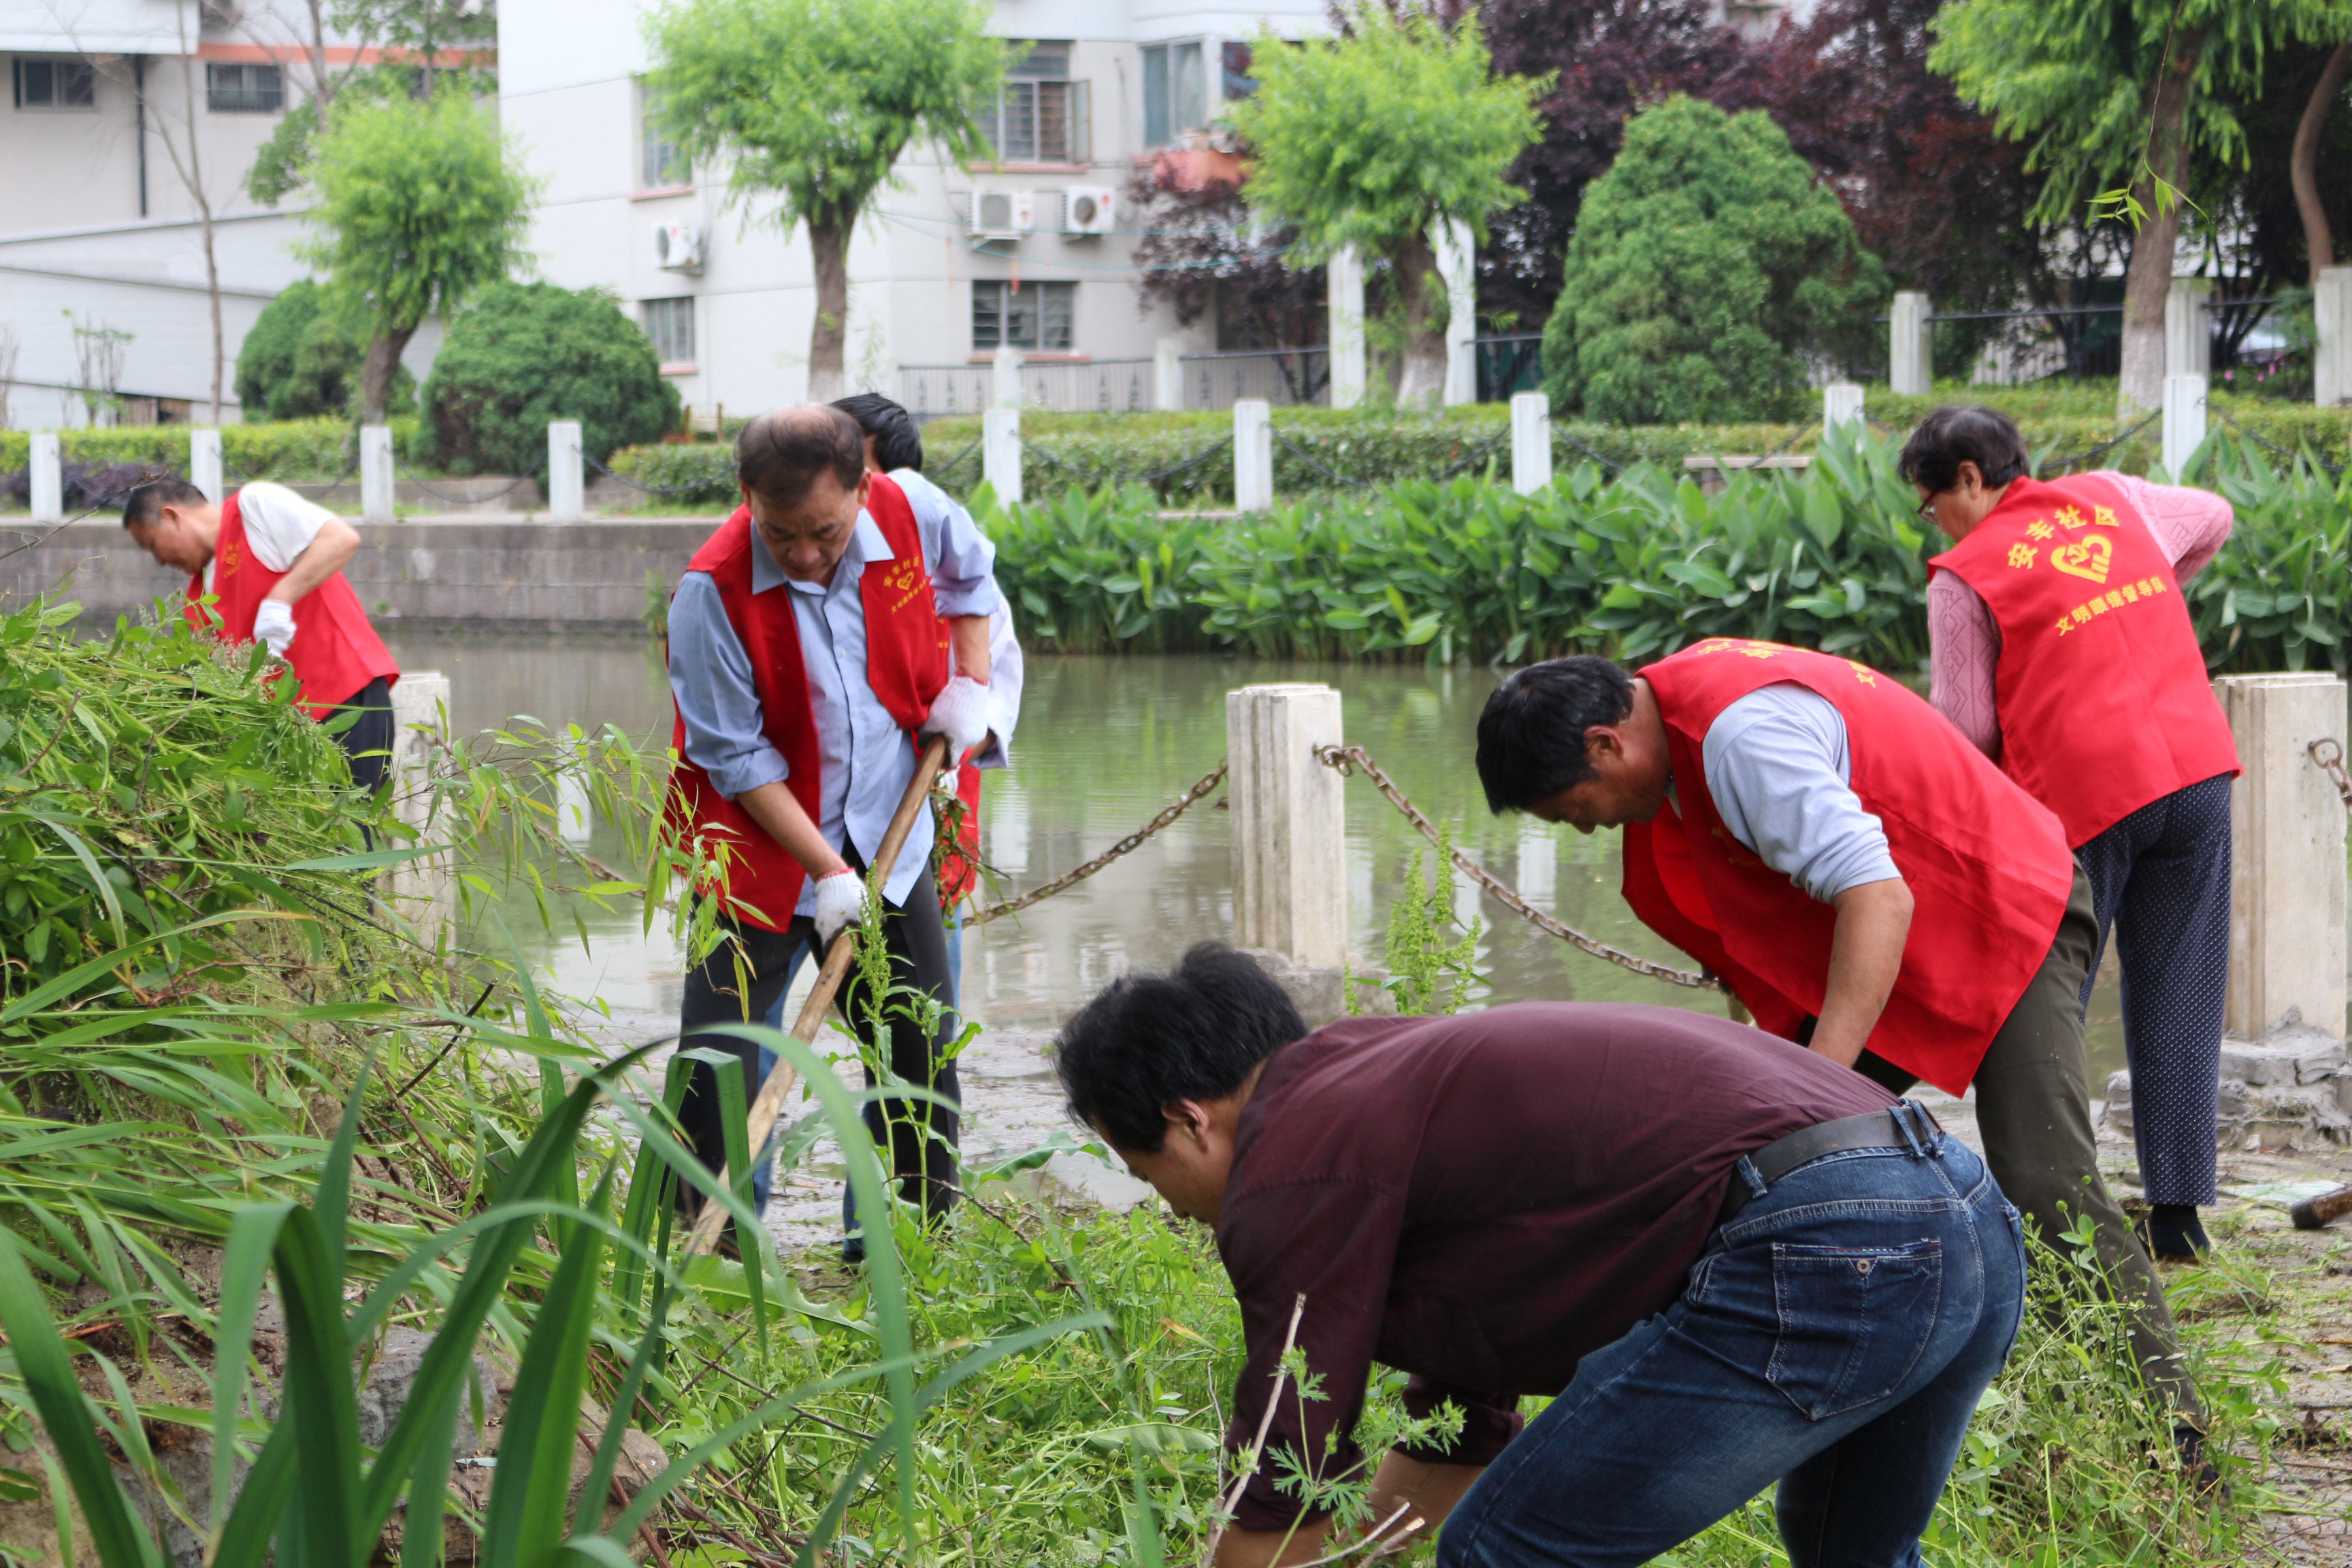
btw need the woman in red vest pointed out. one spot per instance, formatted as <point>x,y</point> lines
<point>1859,876</point>
<point>2062,649</point>
<point>267,566</point>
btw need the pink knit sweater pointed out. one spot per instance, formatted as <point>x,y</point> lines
<point>1964,641</point>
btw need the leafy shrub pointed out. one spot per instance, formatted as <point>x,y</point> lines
<point>527,353</point>
<point>702,472</point>
<point>301,360</point>
<point>1704,261</point>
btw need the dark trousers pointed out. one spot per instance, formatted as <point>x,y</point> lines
<point>2161,879</point>
<point>919,1136</point>
<point>368,743</point>
<point>2033,1111</point>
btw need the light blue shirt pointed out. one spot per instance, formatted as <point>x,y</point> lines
<point>865,759</point>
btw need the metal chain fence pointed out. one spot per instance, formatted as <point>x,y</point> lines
<point>644,488</point>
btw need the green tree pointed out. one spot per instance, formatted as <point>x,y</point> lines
<point>1374,137</point>
<point>2129,94</point>
<point>1705,263</point>
<point>813,100</point>
<point>421,205</point>
<point>303,358</point>
<point>525,353</point>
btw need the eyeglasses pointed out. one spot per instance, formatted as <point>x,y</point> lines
<point>1927,507</point>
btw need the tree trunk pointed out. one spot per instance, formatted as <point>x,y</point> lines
<point>829,333</point>
<point>196,183</point>
<point>2149,278</point>
<point>2302,167</point>
<point>1422,386</point>
<point>376,371</point>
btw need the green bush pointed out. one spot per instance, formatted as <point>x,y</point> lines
<point>698,473</point>
<point>526,353</point>
<point>1704,261</point>
<point>301,360</point>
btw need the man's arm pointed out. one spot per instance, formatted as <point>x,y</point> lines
<point>330,551</point>
<point>780,815</point>
<point>968,640</point>
<point>1873,921</point>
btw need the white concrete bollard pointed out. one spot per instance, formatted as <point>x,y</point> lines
<point>1841,404</point>
<point>425,891</point>
<point>1530,441</point>
<point>1004,385</point>
<point>2287,887</point>
<point>1910,345</point>
<point>2331,309</point>
<point>47,478</point>
<point>1000,453</point>
<point>565,501</point>
<point>2188,329</point>
<point>375,473</point>
<point>1253,454</point>
<point>1343,289</point>
<point>1167,374</point>
<point>2184,420</point>
<point>205,463</point>
<point>1457,263</point>
<point>1289,823</point>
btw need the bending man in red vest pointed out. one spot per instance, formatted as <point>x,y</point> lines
<point>272,564</point>
<point>2062,646</point>
<point>809,645</point>
<point>1863,879</point>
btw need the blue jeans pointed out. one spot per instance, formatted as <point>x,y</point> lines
<point>1833,1338</point>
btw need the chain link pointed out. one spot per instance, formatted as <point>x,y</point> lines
<point>2073,463</point>
<point>651,489</point>
<point>2274,449</point>
<point>1348,759</point>
<point>2328,754</point>
<point>1175,809</point>
<point>507,489</point>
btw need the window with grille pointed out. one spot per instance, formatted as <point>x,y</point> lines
<point>1175,93</point>
<point>1037,316</point>
<point>1039,114</point>
<point>662,162</point>
<point>244,89</point>
<point>670,324</point>
<point>56,84</point>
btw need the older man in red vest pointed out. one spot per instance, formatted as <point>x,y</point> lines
<point>1863,879</point>
<point>2062,646</point>
<point>813,639</point>
<point>266,565</point>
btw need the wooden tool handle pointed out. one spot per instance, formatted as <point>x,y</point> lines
<point>770,1103</point>
<point>2313,1214</point>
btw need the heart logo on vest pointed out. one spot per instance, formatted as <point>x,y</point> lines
<point>2086,558</point>
<point>228,563</point>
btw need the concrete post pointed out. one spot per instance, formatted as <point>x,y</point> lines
<point>48,478</point>
<point>2184,420</point>
<point>1530,441</point>
<point>1343,288</point>
<point>1910,345</point>
<point>1253,454</point>
<point>1000,453</point>
<point>2331,309</point>
<point>1004,389</point>
<point>2288,878</point>
<point>205,463</point>
<point>564,500</point>
<point>1841,404</point>
<point>1167,374</point>
<point>424,891</point>
<point>2188,329</point>
<point>1457,263</point>
<point>1289,823</point>
<point>375,473</point>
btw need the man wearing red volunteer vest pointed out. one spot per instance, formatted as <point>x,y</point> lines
<point>2062,646</point>
<point>1859,876</point>
<point>272,565</point>
<point>817,635</point>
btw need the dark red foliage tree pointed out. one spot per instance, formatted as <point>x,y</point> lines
<point>1202,255</point>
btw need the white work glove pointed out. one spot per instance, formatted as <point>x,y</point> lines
<point>840,901</point>
<point>273,623</point>
<point>960,713</point>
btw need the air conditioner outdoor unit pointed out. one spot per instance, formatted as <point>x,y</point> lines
<point>1001,214</point>
<point>1089,210</point>
<point>677,247</point>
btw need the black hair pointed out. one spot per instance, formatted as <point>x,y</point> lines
<point>780,454</point>
<point>1191,1033</point>
<point>1960,433</point>
<point>144,507</point>
<point>1531,734</point>
<point>897,443</point>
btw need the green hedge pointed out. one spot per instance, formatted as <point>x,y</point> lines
<point>303,451</point>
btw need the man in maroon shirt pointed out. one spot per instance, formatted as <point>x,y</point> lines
<point>1733,1261</point>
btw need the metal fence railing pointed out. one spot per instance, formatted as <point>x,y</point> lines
<point>1294,377</point>
<point>1061,386</point>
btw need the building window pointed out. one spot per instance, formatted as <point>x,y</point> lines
<point>661,164</point>
<point>1035,316</point>
<point>670,324</point>
<point>1175,93</point>
<point>56,84</point>
<point>1040,115</point>
<point>244,89</point>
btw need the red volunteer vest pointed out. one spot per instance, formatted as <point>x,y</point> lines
<point>2104,700</point>
<point>906,664</point>
<point>1987,866</point>
<point>335,652</point>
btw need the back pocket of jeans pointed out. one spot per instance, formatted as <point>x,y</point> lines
<point>1854,1320</point>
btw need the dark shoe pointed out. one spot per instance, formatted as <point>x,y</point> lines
<point>2189,1444</point>
<point>2173,1234</point>
<point>853,1250</point>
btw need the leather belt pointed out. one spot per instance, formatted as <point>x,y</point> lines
<point>1872,1129</point>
